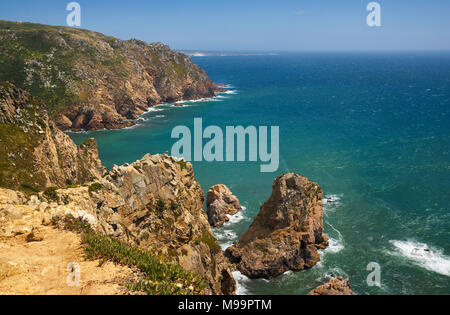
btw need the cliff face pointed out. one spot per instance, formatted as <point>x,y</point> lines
<point>92,81</point>
<point>157,203</point>
<point>154,203</point>
<point>286,233</point>
<point>34,154</point>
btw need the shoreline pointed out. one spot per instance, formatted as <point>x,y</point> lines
<point>224,89</point>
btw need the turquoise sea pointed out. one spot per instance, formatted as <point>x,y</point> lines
<point>372,129</point>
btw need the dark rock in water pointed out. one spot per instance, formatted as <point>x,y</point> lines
<point>220,202</point>
<point>336,286</point>
<point>287,232</point>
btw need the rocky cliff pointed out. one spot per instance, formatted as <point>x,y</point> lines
<point>34,154</point>
<point>92,81</point>
<point>154,204</point>
<point>287,232</point>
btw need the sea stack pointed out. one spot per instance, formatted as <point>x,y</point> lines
<point>336,286</point>
<point>287,232</point>
<point>220,203</point>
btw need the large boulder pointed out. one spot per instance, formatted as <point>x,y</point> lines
<point>336,286</point>
<point>287,232</point>
<point>220,203</point>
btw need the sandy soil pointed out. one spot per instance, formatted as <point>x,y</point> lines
<point>41,267</point>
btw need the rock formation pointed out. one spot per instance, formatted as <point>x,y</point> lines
<point>92,81</point>
<point>336,286</point>
<point>34,154</point>
<point>287,232</point>
<point>220,203</point>
<point>154,203</point>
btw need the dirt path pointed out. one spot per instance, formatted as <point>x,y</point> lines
<point>41,267</point>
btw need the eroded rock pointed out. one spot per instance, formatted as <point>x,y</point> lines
<point>336,286</point>
<point>220,203</point>
<point>154,203</point>
<point>287,232</point>
<point>34,153</point>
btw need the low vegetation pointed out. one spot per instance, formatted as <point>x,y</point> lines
<point>159,277</point>
<point>51,194</point>
<point>95,187</point>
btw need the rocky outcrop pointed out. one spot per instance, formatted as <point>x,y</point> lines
<point>154,203</point>
<point>336,286</point>
<point>34,154</point>
<point>220,203</point>
<point>287,232</point>
<point>92,81</point>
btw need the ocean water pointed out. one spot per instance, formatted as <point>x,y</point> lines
<point>372,129</point>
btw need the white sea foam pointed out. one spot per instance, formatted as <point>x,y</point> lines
<point>236,217</point>
<point>225,237</point>
<point>334,246</point>
<point>331,202</point>
<point>421,254</point>
<point>229,92</point>
<point>240,281</point>
<point>156,108</point>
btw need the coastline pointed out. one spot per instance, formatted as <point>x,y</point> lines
<point>222,89</point>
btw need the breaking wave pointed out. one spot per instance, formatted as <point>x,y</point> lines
<point>421,254</point>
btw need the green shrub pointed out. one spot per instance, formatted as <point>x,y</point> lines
<point>208,239</point>
<point>29,188</point>
<point>183,164</point>
<point>160,205</point>
<point>95,187</point>
<point>159,276</point>
<point>51,194</point>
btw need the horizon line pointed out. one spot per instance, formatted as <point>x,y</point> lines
<point>254,51</point>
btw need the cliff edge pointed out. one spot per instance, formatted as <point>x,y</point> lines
<point>152,209</point>
<point>91,81</point>
<point>34,153</point>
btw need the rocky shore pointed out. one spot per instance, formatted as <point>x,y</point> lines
<point>152,208</point>
<point>91,81</point>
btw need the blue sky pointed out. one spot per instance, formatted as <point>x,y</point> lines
<point>254,25</point>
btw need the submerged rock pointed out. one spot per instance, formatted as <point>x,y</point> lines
<point>336,286</point>
<point>220,203</point>
<point>287,232</point>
